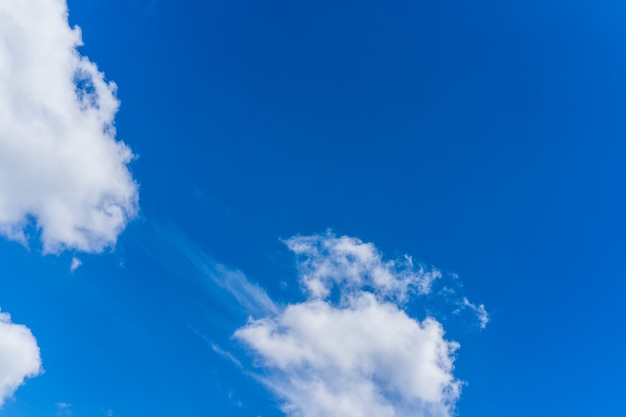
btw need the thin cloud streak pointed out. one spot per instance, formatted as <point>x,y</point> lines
<point>248,295</point>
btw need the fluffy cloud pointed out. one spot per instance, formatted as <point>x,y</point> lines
<point>364,359</point>
<point>350,349</point>
<point>19,356</point>
<point>61,168</point>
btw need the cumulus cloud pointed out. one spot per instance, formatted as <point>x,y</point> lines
<point>350,349</point>
<point>62,171</point>
<point>364,359</point>
<point>19,356</point>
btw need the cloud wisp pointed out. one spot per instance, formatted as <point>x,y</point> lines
<point>62,171</point>
<point>327,261</point>
<point>19,356</point>
<point>250,296</point>
<point>350,348</point>
<point>478,310</point>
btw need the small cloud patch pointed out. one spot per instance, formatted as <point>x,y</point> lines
<point>76,263</point>
<point>19,356</point>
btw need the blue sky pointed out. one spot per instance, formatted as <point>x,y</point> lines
<point>243,254</point>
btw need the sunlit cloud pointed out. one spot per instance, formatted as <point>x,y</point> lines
<point>63,174</point>
<point>350,348</point>
<point>19,356</point>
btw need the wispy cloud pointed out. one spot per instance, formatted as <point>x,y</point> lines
<point>226,355</point>
<point>253,298</point>
<point>19,356</point>
<point>62,172</point>
<point>479,312</point>
<point>64,409</point>
<point>248,295</point>
<point>217,349</point>
<point>325,261</point>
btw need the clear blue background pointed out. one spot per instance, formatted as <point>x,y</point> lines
<point>483,137</point>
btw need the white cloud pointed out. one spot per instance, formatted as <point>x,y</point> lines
<point>61,168</point>
<point>479,311</point>
<point>251,296</point>
<point>76,263</point>
<point>226,355</point>
<point>327,260</point>
<point>359,354</point>
<point>367,359</point>
<point>19,356</point>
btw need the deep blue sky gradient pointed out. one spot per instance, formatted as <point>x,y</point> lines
<point>485,138</point>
